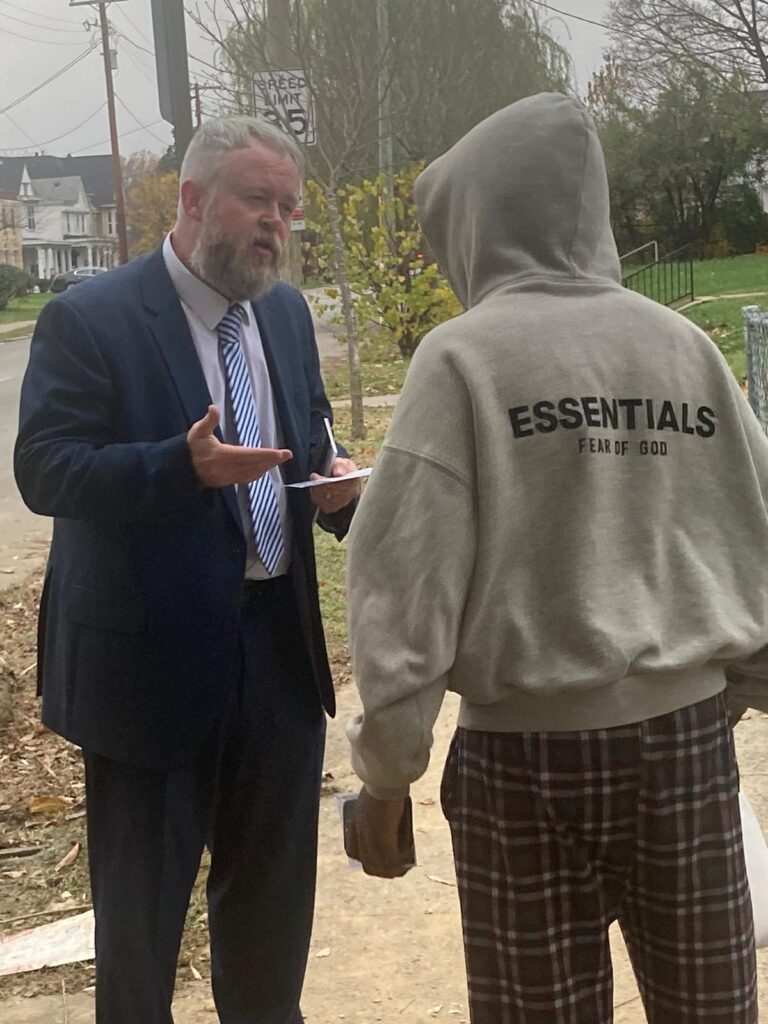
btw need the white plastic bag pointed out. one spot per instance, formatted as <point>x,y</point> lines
<point>756,856</point>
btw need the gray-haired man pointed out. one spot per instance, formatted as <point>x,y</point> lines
<point>165,407</point>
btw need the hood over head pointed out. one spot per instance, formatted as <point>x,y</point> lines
<point>525,193</point>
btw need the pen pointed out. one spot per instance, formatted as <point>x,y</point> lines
<point>331,438</point>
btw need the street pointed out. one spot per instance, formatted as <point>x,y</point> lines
<point>24,537</point>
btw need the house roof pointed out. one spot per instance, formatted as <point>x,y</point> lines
<point>59,190</point>
<point>95,171</point>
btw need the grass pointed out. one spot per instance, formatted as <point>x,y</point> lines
<point>332,556</point>
<point>723,322</point>
<point>736,274</point>
<point>382,367</point>
<point>27,308</point>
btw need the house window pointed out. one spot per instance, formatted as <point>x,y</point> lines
<point>110,219</point>
<point>26,188</point>
<point>31,218</point>
<point>74,223</point>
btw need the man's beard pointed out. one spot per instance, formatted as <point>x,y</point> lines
<point>229,268</point>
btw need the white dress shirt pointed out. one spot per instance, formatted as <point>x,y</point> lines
<point>204,308</point>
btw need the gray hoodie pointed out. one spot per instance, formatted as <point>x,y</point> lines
<point>567,524</point>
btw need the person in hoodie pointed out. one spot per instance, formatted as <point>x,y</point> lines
<point>566,527</point>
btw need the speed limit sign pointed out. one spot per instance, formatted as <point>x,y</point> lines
<point>283,98</point>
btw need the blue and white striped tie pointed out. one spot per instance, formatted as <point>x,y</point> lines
<point>262,499</point>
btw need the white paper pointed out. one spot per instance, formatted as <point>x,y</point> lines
<point>50,945</point>
<point>323,481</point>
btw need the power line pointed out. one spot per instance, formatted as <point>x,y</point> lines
<point>141,68</point>
<point>569,14</point>
<point>134,26</point>
<point>19,127</point>
<point>31,24</point>
<point>52,78</point>
<point>31,39</point>
<point>151,53</point>
<point>128,110</point>
<point>133,43</point>
<point>25,10</point>
<point>133,131</point>
<point>48,142</point>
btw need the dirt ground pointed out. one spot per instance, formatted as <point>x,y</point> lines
<point>382,951</point>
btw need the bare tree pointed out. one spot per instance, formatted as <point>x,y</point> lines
<point>729,37</point>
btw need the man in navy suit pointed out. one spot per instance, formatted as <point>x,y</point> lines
<point>165,407</point>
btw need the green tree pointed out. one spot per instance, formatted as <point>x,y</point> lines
<point>14,283</point>
<point>623,132</point>
<point>680,163</point>
<point>702,135</point>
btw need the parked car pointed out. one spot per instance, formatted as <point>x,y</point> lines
<point>61,282</point>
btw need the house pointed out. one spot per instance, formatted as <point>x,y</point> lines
<point>10,230</point>
<point>68,217</point>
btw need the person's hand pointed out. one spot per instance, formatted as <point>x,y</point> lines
<point>373,838</point>
<point>219,465</point>
<point>335,497</point>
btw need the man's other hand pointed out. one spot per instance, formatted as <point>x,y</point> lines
<point>219,465</point>
<point>374,833</point>
<point>335,497</point>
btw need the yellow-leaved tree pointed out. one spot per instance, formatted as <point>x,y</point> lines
<point>151,196</point>
<point>398,289</point>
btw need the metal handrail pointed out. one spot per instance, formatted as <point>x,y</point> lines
<point>668,281</point>
<point>642,248</point>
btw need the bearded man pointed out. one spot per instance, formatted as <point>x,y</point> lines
<point>165,407</point>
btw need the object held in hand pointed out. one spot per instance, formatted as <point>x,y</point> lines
<point>347,803</point>
<point>321,481</point>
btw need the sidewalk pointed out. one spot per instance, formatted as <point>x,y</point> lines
<point>19,325</point>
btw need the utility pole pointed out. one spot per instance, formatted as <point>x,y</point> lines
<point>282,57</point>
<point>386,162</point>
<point>117,166</point>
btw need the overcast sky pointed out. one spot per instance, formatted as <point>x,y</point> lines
<point>39,37</point>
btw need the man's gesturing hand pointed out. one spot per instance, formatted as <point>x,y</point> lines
<point>219,465</point>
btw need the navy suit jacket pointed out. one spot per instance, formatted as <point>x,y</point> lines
<point>139,614</point>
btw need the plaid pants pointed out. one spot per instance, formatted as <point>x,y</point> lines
<point>558,835</point>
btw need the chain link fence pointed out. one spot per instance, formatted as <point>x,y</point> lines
<point>756,342</point>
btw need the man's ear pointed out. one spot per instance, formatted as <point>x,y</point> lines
<point>193,198</point>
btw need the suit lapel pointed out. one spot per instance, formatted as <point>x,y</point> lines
<point>170,330</point>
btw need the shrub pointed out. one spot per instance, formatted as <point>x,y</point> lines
<point>13,283</point>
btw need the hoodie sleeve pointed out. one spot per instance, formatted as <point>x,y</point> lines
<point>411,560</point>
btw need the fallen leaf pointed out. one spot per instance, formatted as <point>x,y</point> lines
<point>48,804</point>
<point>195,973</point>
<point>69,858</point>
<point>441,881</point>
<point>323,952</point>
<point>429,802</point>
<point>434,1010</point>
<point>14,874</point>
